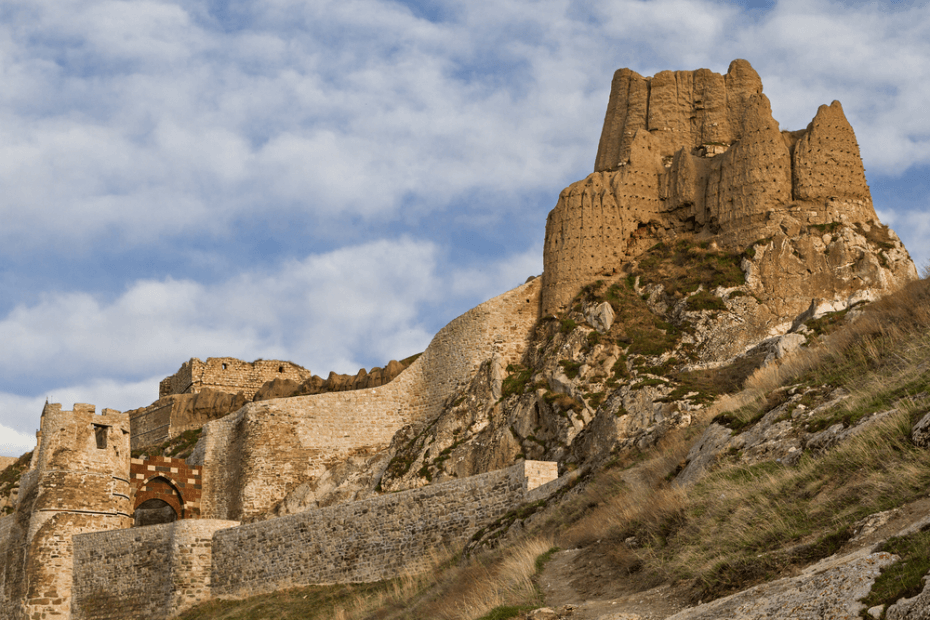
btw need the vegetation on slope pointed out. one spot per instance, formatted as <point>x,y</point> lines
<point>742,523</point>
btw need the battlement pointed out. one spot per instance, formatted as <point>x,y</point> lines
<point>228,374</point>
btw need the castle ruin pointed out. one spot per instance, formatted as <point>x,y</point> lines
<point>689,152</point>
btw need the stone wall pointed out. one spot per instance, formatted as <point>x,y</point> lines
<point>170,416</point>
<point>374,539</point>
<point>228,374</point>
<point>155,572</point>
<point>151,425</point>
<point>253,458</point>
<point>6,461</point>
<point>148,572</point>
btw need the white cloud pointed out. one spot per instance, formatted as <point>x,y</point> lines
<point>15,443</point>
<point>154,120</point>
<point>913,227</point>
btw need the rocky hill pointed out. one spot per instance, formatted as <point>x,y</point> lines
<point>726,356</point>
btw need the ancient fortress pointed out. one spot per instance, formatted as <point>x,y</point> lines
<point>682,152</point>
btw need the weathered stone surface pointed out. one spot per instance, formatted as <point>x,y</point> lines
<point>830,588</point>
<point>920,434</point>
<point>73,486</point>
<point>228,374</point>
<point>170,416</point>
<point>256,457</point>
<point>914,608</point>
<point>601,317</point>
<point>696,152</point>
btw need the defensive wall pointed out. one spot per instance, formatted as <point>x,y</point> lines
<point>170,416</point>
<point>228,374</point>
<point>254,457</point>
<point>144,572</point>
<point>155,572</point>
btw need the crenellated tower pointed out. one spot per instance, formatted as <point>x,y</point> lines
<point>78,482</point>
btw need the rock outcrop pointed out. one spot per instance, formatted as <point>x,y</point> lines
<point>700,153</point>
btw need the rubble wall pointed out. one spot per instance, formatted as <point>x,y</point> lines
<point>254,457</point>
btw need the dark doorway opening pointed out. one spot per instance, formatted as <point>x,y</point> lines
<point>154,512</point>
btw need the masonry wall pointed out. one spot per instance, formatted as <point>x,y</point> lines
<point>229,374</point>
<point>149,572</point>
<point>151,425</point>
<point>253,458</point>
<point>182,491</point>
<point>378,538</point>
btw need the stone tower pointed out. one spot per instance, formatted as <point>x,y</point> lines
<point>699,153</point>
<point>78,482</point>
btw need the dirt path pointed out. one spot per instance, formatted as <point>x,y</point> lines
<point>594,589</point>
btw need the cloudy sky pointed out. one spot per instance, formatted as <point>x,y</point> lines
<point>330,182</point>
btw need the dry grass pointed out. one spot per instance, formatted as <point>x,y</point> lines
<point>480,584</point>
<point>637,500</point>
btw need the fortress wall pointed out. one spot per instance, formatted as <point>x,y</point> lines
<point>149,572</point>
<point>155,572</point>
<point>7,534</point>
<point>229,374</point>
<point>254,457</point>
<point>151,426</point>
<point>370,540</point>
<point>181,381</point>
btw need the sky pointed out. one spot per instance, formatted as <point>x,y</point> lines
<point>331,182</point>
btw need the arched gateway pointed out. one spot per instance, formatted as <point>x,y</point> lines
<point>164,490</point>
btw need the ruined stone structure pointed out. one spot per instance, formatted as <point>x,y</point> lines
<point>370,540</point>
<point>254,457</point>
<point>228,374</point>
<point>699,152</point>
<point>78,482</point>
<point>681,153</point>
<point>170,416</point>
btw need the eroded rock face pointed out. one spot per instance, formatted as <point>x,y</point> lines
<point>700,153</point>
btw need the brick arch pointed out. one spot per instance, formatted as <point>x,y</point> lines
<point>160,487</point>
<point>167,479</point>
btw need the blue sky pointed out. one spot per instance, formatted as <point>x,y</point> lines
<point>331,182</point>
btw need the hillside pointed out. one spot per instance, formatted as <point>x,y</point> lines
<point>714,402</point>
<point>645,535</point>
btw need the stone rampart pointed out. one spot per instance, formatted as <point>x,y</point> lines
<point>155,572</point>
<point>228,374</point>
<point>147,572</point>
<point>254,457</point>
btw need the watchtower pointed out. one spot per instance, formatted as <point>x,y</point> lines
<point>78,482</point>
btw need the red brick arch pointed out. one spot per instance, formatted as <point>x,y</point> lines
<point>170,480</point>
<point>163,488</point>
